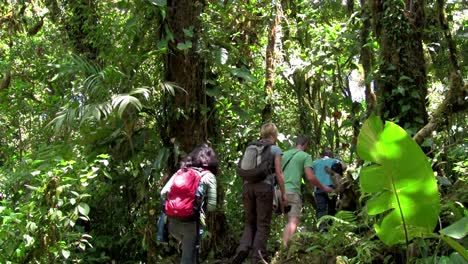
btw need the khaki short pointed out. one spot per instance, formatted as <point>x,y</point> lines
<point>295,201</point>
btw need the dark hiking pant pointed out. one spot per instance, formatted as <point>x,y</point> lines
<point>188,233</point>
<point>258,206</point>
<point>325,206</point>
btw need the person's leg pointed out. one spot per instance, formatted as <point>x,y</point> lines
<point>264,204</point>
<point>186,233</point>
<point>290,229</point>
<point>322,205</point>
<point>295,201</point>
<point>173,226</point>
<point>332,205</point>
<point>189,243</point>
<point>242,251</point>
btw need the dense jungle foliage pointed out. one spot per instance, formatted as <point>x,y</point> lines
<point>100,100</point>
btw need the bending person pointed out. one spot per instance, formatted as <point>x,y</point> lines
<point>325,205</point>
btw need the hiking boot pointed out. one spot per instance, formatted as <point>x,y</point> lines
<point>239,257</point>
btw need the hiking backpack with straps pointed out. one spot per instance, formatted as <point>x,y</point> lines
<point>256,162</point>
<point>185,197</point>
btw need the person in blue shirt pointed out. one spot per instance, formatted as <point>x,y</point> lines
<point>324,203</point>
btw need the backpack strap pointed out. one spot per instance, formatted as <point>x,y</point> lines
<point>287,162</point>
<point>261,142</point>
<point>202,172</point>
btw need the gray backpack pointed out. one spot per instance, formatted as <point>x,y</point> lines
<point>256,162</point>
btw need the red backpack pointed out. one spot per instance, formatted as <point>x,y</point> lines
<point>185,196</point>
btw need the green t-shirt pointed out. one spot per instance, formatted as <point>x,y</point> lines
<point>295,170</point>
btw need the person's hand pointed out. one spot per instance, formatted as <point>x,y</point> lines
<point>327,189</point>
<point>284,201</point>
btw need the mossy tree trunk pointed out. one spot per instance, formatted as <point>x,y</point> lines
<point>367,58</point>
<point>401,83</point>
<point>80,24</point>
<point>267,112</point>
<point>190,113</point>
<point>186,109</point>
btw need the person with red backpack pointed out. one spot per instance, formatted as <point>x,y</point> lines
<point>258,167</point>
<point>190,191</point>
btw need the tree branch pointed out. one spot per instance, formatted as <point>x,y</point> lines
<point>454,102</point>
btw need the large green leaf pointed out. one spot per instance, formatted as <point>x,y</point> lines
<point>401,180</point>
<point>457,230</point>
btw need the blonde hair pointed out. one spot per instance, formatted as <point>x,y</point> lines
<point>269,130</point>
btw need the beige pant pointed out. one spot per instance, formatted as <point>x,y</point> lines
<point>295,201</point>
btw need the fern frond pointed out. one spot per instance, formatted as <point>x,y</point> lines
<point>347,216</point>
<point>336,221</point>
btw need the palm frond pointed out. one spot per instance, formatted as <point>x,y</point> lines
<point>77,116</point>
<point>122,101</point>
<point>170,87</point>
<point>145,91</point>
<point>98,84</point>
<point>58,120</point>
<point>94,112</point>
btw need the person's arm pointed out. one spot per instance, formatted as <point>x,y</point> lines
<point>166,188</point>
<point>209,180</point>
<point>312,179</point>
<point>280,176</point>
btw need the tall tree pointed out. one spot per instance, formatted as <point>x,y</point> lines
<point>367,57</point>
<point>186,111</point>
<point>190,113</point>
<point>270,63</point>
<point>401,84</point>
<point>81,23</point>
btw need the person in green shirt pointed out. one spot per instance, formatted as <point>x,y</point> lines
<point>297,164</point>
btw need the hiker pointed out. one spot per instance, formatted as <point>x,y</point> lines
<point>257,199</point>
<point>297,164</point>
<point>325,205</point>
<point>185,195</point>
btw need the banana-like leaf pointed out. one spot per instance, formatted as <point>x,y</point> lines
<point>401,180</point>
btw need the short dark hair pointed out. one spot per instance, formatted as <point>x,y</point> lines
<point>302,140</point>
<point>203,156</point>
<point>327,152</point>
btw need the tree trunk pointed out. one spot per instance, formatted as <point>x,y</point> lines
<point>267,112</point>
<point>189,119</point>
<point>300,86</point>
<point>79,24</point>
<point>186,119</point>
<point>367,58</point>
<point>401,84</point>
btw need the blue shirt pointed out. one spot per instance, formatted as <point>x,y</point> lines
<point>319,169</point>
<point>276,151</point>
